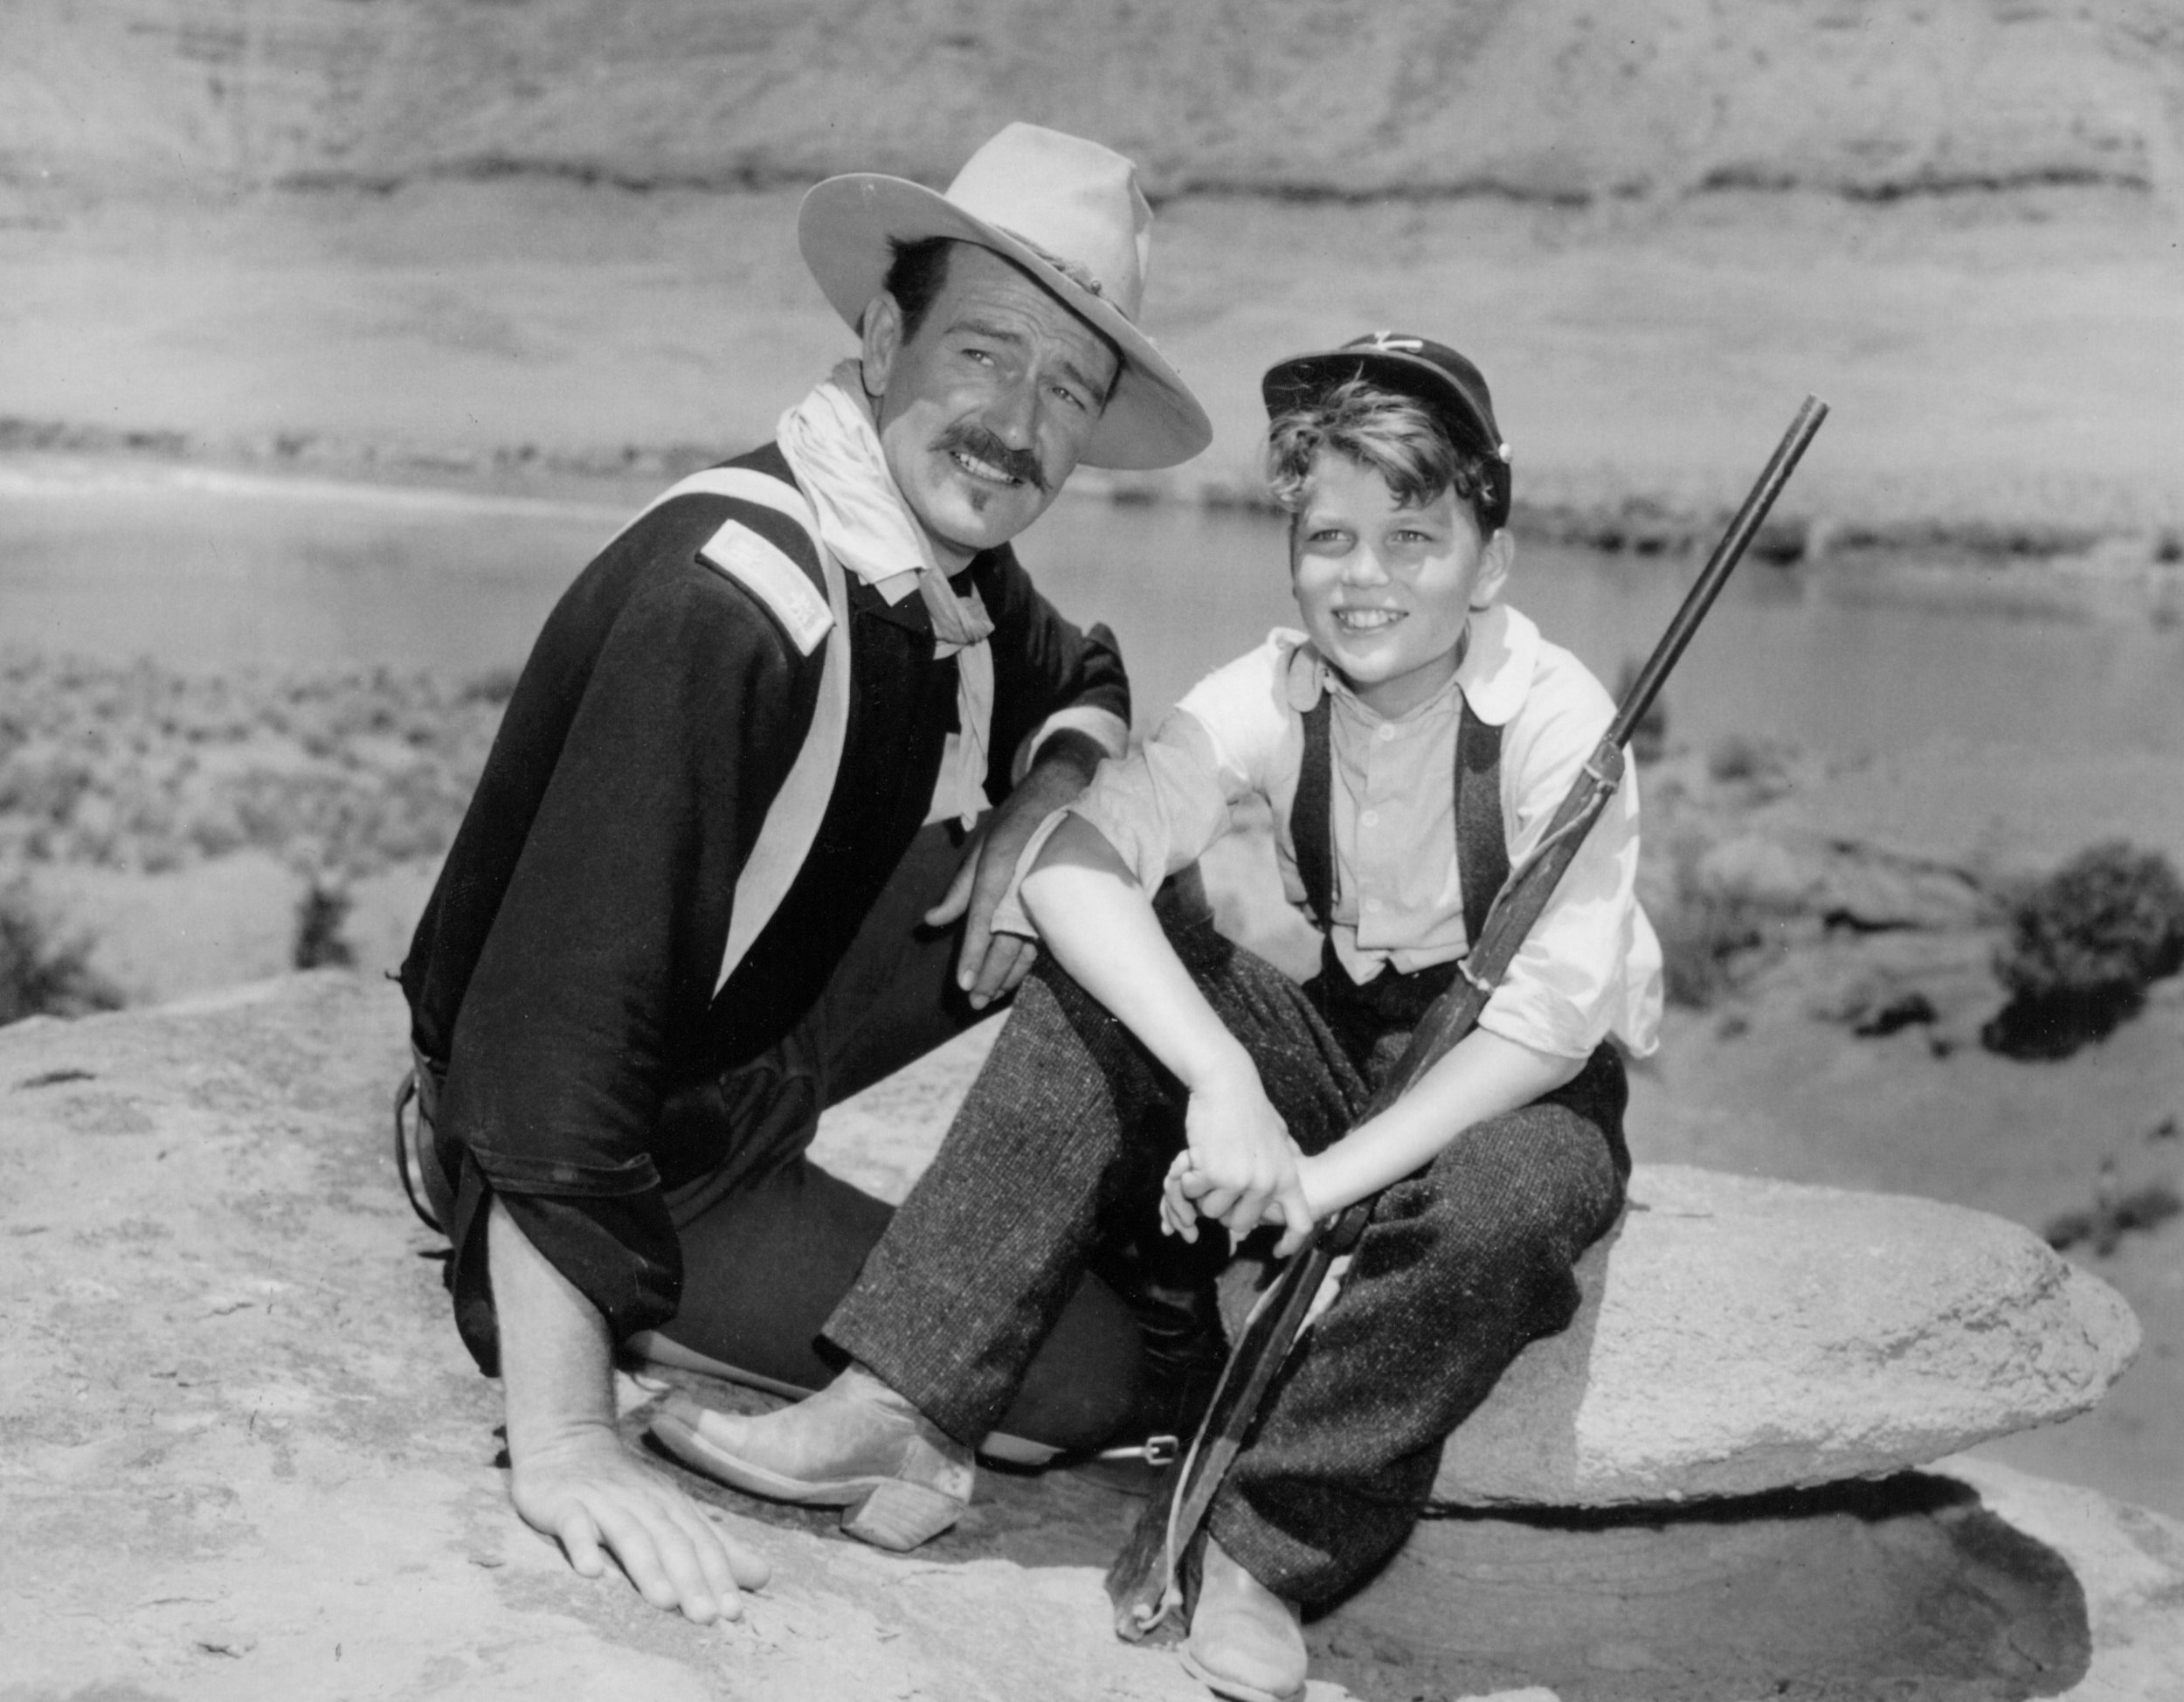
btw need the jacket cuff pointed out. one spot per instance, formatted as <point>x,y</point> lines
<point>1104,727</point>
<point>619,1251</point>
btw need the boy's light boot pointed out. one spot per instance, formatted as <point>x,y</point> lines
<point>1245,1641</point>
<point>856,1444</point>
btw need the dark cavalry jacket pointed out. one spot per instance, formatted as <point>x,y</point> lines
<point>564,971</point>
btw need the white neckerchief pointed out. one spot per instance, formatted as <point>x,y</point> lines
<point>830,444</point>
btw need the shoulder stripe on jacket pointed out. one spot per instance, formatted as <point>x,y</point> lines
<point>792,593</point>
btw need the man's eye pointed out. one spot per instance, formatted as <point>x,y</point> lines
<point>1071,398</point>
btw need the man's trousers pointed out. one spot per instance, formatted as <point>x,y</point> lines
<point>1065,1139</point>
<point>771,1241</point>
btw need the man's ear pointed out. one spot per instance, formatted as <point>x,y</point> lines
<point>882,336</point>
<point>1496,556</point>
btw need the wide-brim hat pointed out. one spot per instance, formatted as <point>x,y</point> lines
<point>1431,373</point>
<point>1069,213</point>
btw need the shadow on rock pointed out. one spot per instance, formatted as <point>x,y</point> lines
<point>1907,1586</point>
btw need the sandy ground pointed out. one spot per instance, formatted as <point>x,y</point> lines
<point>242,1457</point>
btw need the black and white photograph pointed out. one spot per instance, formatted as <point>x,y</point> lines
<point>1019,851</point>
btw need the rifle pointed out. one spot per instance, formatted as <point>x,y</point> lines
<point>1144,1582</point>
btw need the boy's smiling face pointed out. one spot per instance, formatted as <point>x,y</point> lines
<point>1387,591</point>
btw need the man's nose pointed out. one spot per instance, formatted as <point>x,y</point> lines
<point>1012,413</point>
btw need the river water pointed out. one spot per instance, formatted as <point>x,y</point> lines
<point>209,573</point>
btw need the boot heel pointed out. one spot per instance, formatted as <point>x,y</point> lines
<point>900,1516</point>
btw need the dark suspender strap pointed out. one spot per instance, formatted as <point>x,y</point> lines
<point>1312,818</point>
<point>1481,839</point>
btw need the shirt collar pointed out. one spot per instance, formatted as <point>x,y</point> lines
<point>1495,674</point>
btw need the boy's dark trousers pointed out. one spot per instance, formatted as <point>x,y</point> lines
<point>1067,1133</point>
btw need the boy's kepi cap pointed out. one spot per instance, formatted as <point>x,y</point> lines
<point>1453,391</point>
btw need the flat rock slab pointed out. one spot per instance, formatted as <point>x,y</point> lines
<point>1740,1335</point>
<point>242,1455</point>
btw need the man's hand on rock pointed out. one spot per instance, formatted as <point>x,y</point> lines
<point>992,964</point>
<point>586,1490</point>
<point>569,1476</point>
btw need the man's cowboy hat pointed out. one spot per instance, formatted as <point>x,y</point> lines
<point>1066,210</point>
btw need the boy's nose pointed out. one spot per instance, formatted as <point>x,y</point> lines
<point>1364,568</point>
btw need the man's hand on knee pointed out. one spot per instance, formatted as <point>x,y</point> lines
<point>992,964</point>
<point>593,1496</point>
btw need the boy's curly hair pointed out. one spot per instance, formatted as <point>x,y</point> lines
<point>1395,436</point>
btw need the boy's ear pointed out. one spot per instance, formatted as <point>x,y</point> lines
<point>1496,556</point>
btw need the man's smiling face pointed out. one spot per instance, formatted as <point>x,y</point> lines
<point>985,411</point>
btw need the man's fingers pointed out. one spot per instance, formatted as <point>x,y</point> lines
<point>1007,959</point>
<point>709,1546</point>
<point>749,1569</point>
<point>639,1558</point>
<point>697,1570</point>
<point>732,1566</point>
<point>1026,955</point>
<point>956,899</point>
<point>579,1540</point>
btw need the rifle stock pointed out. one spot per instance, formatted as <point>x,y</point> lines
<point>1142,1584</point>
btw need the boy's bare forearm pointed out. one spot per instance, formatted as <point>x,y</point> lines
<point>1482,1075</point>
<point>1100,926</point>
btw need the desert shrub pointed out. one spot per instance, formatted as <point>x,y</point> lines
<point>41,975</point>
<point>2109,1220</point>
<point>319,942</point>
<point>1760,765</point>
<point>2083,946</point>
<point>1708,933</point>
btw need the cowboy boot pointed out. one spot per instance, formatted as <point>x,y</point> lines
<point>1244,1642</point>
<point>856,1444</point>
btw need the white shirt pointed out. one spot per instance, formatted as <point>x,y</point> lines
<point>1591,965</point>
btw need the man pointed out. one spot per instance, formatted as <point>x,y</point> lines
<point>739,793</point>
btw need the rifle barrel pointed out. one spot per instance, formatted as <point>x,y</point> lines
<point>1719,566</point>
<point>1139,1582</point>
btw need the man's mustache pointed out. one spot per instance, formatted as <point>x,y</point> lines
<point>982,445</point>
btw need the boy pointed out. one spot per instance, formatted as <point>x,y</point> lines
<point>1412,741</point>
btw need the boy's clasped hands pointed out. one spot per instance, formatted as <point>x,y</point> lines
<point>1239,1166</point>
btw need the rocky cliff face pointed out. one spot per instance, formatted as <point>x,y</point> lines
<point>1568,102</point>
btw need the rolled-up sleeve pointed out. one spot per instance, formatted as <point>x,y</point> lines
<point>1163,805</point>
<point>1591,964</point>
